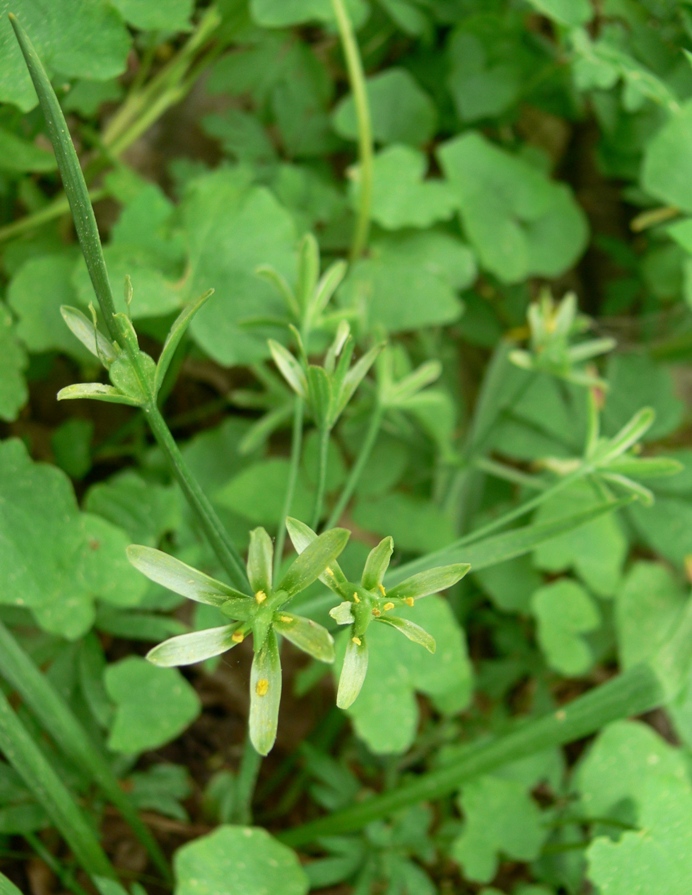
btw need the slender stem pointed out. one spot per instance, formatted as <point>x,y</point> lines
<point>53,864</point>
<point>356,79</point>
<point>246,782</point>
<point>358,467</point>
<point>296,447</point>
<point>321,477</point>
<point>509,474</point>
<point>57,208</point>
<point>206,514</point>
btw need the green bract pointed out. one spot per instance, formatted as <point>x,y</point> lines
<point>259,613</point>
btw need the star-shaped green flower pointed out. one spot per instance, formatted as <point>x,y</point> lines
<point>369,602</point>
<point>260,614</point>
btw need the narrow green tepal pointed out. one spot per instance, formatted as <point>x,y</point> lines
<point>73,179</point>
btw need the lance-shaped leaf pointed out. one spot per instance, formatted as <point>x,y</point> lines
<point>185,649</point>
<point>289,368</point>
<point>308,270</point>
<point>321,396</point>
<point>377,564</point>
<point>259,561</point>
<point>641,492</point>
<point>430,582</point>
<point>353,672</point>
<point>354,377</point>
<point>326,287</point>
<point>265,695</point>
<point>97,391</point>
<point>645,467</point>
<point>412,631</point>
<point>398,394</point>
<point>306,634</point>
<point>175,334</point>
<point>302,536</point>
<point>179,577</point>
<point>92,339</point>
<point>312,562</point>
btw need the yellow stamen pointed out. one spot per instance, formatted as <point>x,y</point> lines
<point>329,571</point>
<point>237,637</point>
<point>376,612</point>
<point>262,687</point>
<point>260,596</point>
<point>409,601</point>
<point>356,598</point>
<point>382,590</point>
<point>356,640</point>
<point>287,619</point>
<point>388,606</point>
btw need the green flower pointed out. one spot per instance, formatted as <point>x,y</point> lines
<point>369,601</point>
<point>260,614</point>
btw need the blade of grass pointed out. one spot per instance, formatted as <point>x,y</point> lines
<point>32,766</point>
<point>46,703</point>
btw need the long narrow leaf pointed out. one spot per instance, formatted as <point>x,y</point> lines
<point>29,762</point>
<point>68,734</point>
<point>499,548</point>
<point>177,331</point>
<point>312,561</point>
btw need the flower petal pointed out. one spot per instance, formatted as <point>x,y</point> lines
<point>265,695</point>
<point>306,634</point>
<point>185,649</point>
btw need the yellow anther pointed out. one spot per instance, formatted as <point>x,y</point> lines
<point>376,612</point>
<point>237,637</point>
<point>409,601</point>
<point>329,571</point>
<point>260,596</point>
<point>262,687</point>
<point>388,606</point>
<point>286,619</point>
<point>356,598</point>
<point>382,590</point>
<point>356,640</point>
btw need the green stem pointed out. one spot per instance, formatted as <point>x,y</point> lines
<point>635,691</point>
<point>53,864</point>
<point>509,474</point>
<point>199,502</point>
<point>246,782</point>
<point>296,447</point>
<point>358,467</point>
<point>356,79</point>
<point>321,477</point>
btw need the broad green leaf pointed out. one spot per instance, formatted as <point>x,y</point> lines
<point>144,509</point>
<point>519,221</point>
<point>197,646</point>
<point>259,561</point>
<point>654,858</point>
<point>564,610</point>
<point>313,560</point>
<point>36,292</point>
<point>415,524</point>
<point>96,391</point>
<point>7,887</point>
<point>429,582</point>
<point>55,560</point>
<point>648,606</point>
<point>566,12</point>
<point>169,15</point>
<point>231,229</point>
<point>385,715</point>
<point>179,577</point>
<point>258,492</point>
<point>13,361</point>
<point>613,776</point>
<point>246,858</point>
<point>595,551</point>
<point>377,564</point>
<point>401,196</point>
<point>510,584</point>
<point>18,154</point>
<point>77,38</point>
<point>483,82</point>
<point>636,381</point>
<point>306,634</point>
<point>410,281</point>
<point>281,13</point>
<point>242,136</point>
<point>265,695</point>
<point>667,171</point>
<point>499,818</point>
<point>162,787</point>
<point>401,111</point>
<point>153,705</point>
